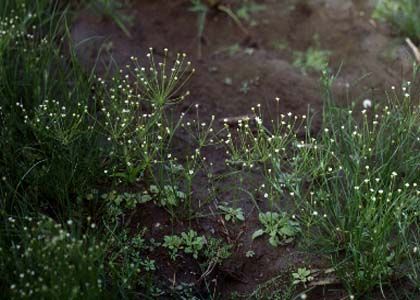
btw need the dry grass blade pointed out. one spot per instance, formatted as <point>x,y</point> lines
<point>413,48</point>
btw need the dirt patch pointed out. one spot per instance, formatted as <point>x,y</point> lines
<point>237,71</point>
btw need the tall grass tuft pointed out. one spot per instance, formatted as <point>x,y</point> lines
<point>355,184</point>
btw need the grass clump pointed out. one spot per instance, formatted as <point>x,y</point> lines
<point>133,115</point>
<point>65,134</point>
<point>404,15</point>
<point>47,137</point>
<point>355,185</point>
<point>362,189</point>
<point>41,259</point>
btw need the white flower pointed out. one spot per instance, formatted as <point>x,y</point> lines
<point>367,103</point>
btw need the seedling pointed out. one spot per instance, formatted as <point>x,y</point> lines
<point>193,243</point>
<point>232,214</point>
<point>280,228</point>
<point>303,276</point>
<point>245,87</point>
<point>174,244</point>
<point>126,200</point>
<point>189,241</point>
<point>168,196</point>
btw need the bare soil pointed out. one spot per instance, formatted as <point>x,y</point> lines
<point>369,57</point>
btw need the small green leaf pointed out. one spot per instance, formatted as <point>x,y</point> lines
<point>257,234</point>
<point>240,216</point>
<point>145,198</point>
<point>288,230</point>
<point>154,189</point>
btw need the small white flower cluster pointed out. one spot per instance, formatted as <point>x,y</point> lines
<point>51,262</point>
<point>251,141</point>
<point>160,83</point>
<point>56,120</point>
<point>132,107</point>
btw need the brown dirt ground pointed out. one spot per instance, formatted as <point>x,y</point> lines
<point>371,59</point>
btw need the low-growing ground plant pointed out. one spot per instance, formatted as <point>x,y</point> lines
<point>232,214</point>
<point>188,241</point>
<point>302,276</point>
<point>211,251</point>
<point>278,226</point>
<point>173,243</point>
<point>192,242</point>
<point>128,264</point>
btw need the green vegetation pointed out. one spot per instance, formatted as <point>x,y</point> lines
<point>189,241</point>
<point>84,157</point>
<point>302,275</point>
<point>232,214</point>
<point>278,226</point>
<point>243,9</point>
<point>311,60</point>
<point>43,260</point>
<point>355,186</point>
<point>112,10</point>
<point>404,15</point>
